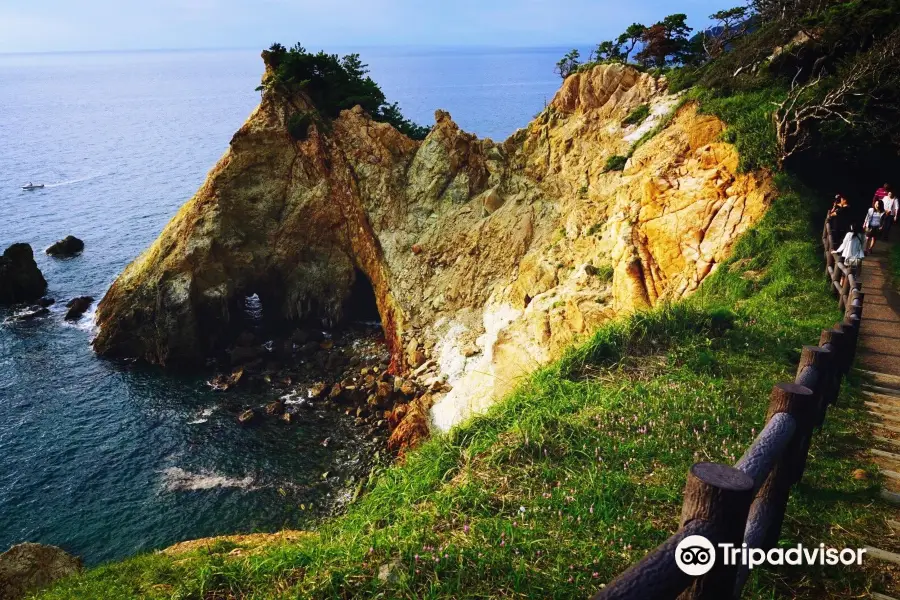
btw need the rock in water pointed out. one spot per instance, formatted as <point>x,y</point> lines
<point>28,567</point>
<point>67,247</point>
<point>20,278</point>
<point>32,313</point>
<point>77,307</point>
<point>226,382</point>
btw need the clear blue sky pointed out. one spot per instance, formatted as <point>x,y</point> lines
<point>60,25</point>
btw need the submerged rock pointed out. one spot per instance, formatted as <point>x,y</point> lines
<point>26,568</point>
<point>77,307</point>
<point>31,313</point>
<point>66,247</point>
<point>20,278</point>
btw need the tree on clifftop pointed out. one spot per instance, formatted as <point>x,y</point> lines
<point>632,36</point>
<point>731,25</point>
<point>665,42</point>
<point>332,84</point>
<point>568,64</point>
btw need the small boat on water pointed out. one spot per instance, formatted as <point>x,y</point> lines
<point>32,186</point>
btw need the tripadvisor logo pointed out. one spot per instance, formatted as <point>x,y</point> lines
<point>695,555</point>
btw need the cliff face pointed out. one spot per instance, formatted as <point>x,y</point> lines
<point>489,258</point>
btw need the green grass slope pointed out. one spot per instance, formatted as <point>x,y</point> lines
<point>579,472</point>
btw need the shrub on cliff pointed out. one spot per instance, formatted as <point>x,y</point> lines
<point>298,125</point>
<point>638,115</point>
<point>333,84</point>
<point>615,163</point>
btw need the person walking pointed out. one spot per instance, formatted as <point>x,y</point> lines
<point>852,249</point>
<point>891,208</point>
<point>880,193</point>
<point>872,225</point>
<point>839,219</point>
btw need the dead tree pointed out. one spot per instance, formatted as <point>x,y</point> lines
<point>869,82</point>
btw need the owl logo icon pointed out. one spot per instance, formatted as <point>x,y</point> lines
<point>695,555</point>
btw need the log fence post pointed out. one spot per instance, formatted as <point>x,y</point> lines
<point>833,340</point>
<point>814,361</point>
<point>719,495</point>
<point>768,508</point>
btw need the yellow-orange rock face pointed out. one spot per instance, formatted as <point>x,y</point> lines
<point>495,257</point>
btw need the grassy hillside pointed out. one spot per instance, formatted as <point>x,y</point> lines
<point>579,472</point>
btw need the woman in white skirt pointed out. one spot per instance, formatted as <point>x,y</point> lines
<point>852,249</point>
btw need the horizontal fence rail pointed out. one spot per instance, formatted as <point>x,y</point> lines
<point>746,503</point>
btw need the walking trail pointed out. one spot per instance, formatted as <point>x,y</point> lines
<point>879,364</point>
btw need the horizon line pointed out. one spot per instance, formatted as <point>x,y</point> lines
<point>256,48</point>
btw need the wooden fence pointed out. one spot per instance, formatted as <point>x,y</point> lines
<point>746,503</point>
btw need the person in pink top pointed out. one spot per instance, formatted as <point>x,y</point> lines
<point>891,208</point>
<point>881,192</point>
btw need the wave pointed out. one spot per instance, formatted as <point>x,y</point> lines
<point>176,479</point>
<point>72,181</point>
<point>87,322</point>
<point>204,416</point>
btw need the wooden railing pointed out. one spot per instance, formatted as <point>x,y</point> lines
<point>746,503</point>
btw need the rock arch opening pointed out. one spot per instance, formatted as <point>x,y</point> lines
<point>360,306</point>
<point>252,310</point>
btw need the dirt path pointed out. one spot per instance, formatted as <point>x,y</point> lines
<point>879,363</point>
<point>879,358</point>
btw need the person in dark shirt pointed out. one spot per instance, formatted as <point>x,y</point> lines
<point>839,219</point>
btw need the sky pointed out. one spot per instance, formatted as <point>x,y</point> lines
<point>84,25</point>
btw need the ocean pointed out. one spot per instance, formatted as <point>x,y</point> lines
<point>109,459</point>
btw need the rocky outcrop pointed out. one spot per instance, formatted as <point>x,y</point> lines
<point>77,307</point>
<point>67,247</point>
<point>486,259</point>
<point>28,567</point>
<point>20,278</point>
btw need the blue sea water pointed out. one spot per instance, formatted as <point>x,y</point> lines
<point>105,459</point>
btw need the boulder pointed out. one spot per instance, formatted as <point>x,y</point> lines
<point>226,382</point>
<point>26,568</point>
<point>491,201</point>
<point>408,388</point>
<point>46,302</point>
<point>67,247</point>
<point>20,278</point>
<point>416,358</point>
<point>411,425</point>
<point>317,390</point>
<point>275,408</point>
<point>77,307</point>
<point>246,417</point>
<point>384,390</point>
